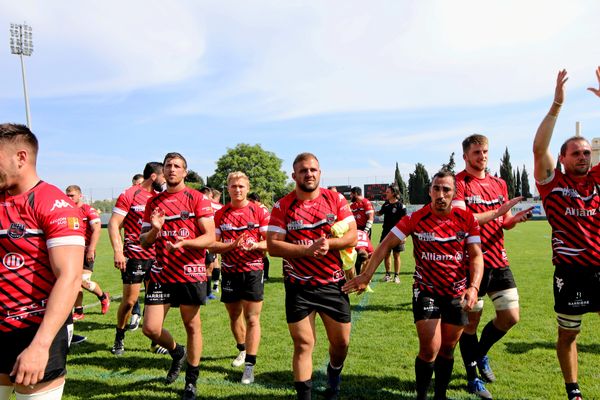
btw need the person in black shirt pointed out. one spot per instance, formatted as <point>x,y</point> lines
<point>392,210</point>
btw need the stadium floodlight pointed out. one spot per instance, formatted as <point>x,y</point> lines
<point>21,44</point>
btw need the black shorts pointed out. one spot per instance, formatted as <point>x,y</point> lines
<point>495,280</point>
<point>396,249</point>
<point>239,286</point>
<point>576,289</point>
<point>175,294</point>
<point>13,343</point>
<point>301,300</point>
<point>136,271</point>
<point>88,266</point>
<point>427,305</point>
<point>209,258</point>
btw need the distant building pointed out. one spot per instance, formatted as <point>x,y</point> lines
<point>595,151</point>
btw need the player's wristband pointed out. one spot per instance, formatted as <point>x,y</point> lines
<point>368,226</point>
<point>474,287</point>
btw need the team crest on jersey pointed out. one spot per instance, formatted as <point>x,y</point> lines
<point>185,215</point>
<point>330,218</point>
<point>16,230</point>
<point>501,199</point>
<point>460,236</point>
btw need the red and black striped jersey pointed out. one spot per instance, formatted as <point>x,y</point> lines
<point>303,222</point>
<point>251,221</point>
<point>479,196</point>
<point>30,224</point>
<point>215,206</point>
<point>360,210</point>
<point>89,216</point>
<point>572,207</point>
<point>440,248</point>
<point>131,205</point>
<point>364,242</point>
<point>182,210</point>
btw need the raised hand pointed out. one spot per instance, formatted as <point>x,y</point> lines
<point>559,91</point>
<point>594,90</point>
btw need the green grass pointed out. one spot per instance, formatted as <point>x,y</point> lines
<point>382,350</point>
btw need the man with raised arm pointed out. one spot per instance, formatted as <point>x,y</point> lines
<point>179,222</point>
<point>41,248</point>
<point>442,237</point>
<point>300,232</point>
<point>571,201</point>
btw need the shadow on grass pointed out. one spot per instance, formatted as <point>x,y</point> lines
<point>86,326</point>
<point>524,347</point>
<point>382,307</point>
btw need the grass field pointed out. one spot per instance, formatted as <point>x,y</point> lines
<point>382,350</point>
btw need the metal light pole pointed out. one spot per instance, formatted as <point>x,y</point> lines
<point>21,43</point>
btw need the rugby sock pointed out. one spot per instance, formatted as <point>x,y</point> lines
<point>241,346</point>
<point>468,350</point>
<point>423,372</point>
<point>191,374</point>
<point>489,336</point>
<point>216,274</point>
<point>136,308</point>
<point>266,267</point>
<point>78,310</point>
<point>573,390</point>
<point>303,389</point>
<point>208,286</point>
<point>120,334</point>
<point>443,373</point>
<point>178,351</point>
<point>250,359</point>
<point>333,376</point>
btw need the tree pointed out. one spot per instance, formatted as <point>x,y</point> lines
<point>401,185</point>
<point>193,176</point>
<point>104,206</point>
<point>517,177</point>
<point>418,185</point>
<point>506,173</point>
<point>262,167</point>
<point>450,164</point>
<point>525,190</point>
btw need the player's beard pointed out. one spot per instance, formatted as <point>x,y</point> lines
<point>308,189</point>
<point>158,187</point>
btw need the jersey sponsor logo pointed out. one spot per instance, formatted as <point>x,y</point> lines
<point>13,261</point>
<point>428,256</point>
<point>226,227</point>
<point>580,212</point>
<point>73,223</point>
<point>458,256</point>
<point>304,242</point>
<point>252,225</point>
<point>559,283</point>
<point>426,236</point>
<point>338,275</point>
<point>185,215</point>
<point>295,225</point>
<point>194,269</point>
<point>139,208</point>
<point>183,232</point>
<point>59,221</point>
<point>568,192</point>
<point>16,230</point>
<point>60,204</point>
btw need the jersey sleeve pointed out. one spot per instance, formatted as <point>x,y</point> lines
<point>277,221</point>
<point>93,216</point>
<point>403,228</point>
<point>545,186</point>
<point>203,208</point>
<point>368,207</point>
<point>218,217</point>
<point>147,213</point>
<point>459,195</point>
<point>473,229</point>
<point>263,220</point>
<point>122,205</point>
<point>343,210</point>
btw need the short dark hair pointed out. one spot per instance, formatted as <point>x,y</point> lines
<point>444,173</point>
<point>395,190</point>
<point>356,190</point>
<point>254,197</point>
<point>18,133</point>
<point>136,177</point>
<point>153,167</point>
<point>563,148</point>
<point>205,190</point>
<point>173,155</point>
<point>473,139</point>
<point>303,157</point>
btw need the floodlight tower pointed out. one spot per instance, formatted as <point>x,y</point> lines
<point>21,44</point>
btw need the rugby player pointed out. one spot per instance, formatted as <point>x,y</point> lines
<point>130,258</point>
<point>42,249</point>
<point>241,227</point>
<point>180,224</point>
<point>91,221</point>
<point>255,198</point>
<point>300,232</point>
<point>442,237</point>
<point>362,209</point>
<point>486,197</point>
<point>392,210</point>
<point>571,201</point>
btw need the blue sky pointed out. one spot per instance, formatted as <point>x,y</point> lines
<point>114,84</point>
